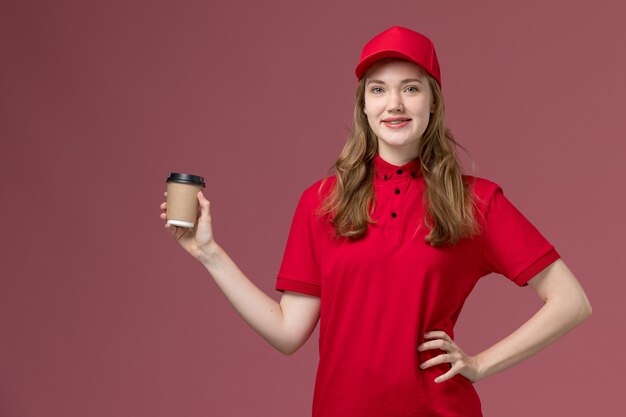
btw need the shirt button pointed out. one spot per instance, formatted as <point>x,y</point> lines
<point>413,174</point>
<point>397,191</point>
<point>399,171</point>
<point>384,177</point>
<point>393,214</point>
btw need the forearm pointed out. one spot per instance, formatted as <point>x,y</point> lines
<point>259,310</point>
<point>552,321</point>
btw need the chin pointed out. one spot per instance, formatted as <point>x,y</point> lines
<point>400,143</point>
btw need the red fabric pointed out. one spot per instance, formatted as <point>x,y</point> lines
<point>380,294</point>
<point>400,42</point>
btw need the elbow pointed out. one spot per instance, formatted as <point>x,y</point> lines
<point>286,348</point>
<point>586,311</point>
<point>571,312</point>
<point>585,308</point>
<point>582,311</point>
<point>291,342</point>
<point>583,315</point>
<point>288,352</point>
<point>575,305</point>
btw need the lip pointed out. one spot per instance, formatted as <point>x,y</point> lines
<point>396,126</point>
<point>391,119</point>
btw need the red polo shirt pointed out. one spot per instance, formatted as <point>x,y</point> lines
<point>380,294</point>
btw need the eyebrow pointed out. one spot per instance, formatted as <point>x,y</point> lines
<point>408,80</point>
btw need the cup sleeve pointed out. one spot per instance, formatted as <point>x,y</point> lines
<point>299,270</point>
<point>512,245</point>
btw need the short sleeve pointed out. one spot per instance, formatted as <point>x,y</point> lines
<point>299,270</point>
<point>513,246</point>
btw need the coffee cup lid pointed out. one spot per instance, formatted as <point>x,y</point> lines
<point>185,178</point>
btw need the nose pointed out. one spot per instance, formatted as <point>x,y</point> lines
<point>395,103</point>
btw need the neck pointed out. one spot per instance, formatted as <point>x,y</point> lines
<point>397,156</point>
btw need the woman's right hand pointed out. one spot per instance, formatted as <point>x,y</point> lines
<point>198,240</point>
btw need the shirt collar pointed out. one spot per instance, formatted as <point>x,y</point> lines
<point>386,171</point>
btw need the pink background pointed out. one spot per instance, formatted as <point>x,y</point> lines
<point>102,314</point>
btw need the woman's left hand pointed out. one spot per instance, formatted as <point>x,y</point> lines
<point>460,362</point>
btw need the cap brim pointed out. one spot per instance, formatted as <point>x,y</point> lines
<point>367,62</point>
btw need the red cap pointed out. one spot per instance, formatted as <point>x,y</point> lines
<point>399,42</point>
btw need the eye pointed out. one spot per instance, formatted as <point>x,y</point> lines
<point>414,89</point>
<point>374,89</point>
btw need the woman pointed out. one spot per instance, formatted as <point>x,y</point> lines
<point>385,252</point>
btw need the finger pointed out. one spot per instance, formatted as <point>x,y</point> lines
<point>443,358</point>
<point>163,216</point>
<point>435,344</point>
<point>163,206</point>
<point>165,193</point>
<point>438,334</point>
<point>446,376</point>
<point>176,231</point>
<point>171,228</point>
<point>204,207</point>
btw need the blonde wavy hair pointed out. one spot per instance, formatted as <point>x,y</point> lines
<point>448,200</point>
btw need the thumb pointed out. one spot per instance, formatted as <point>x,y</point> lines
<point>204,207</point>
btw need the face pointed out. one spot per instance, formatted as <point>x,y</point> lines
<point>398,103</point>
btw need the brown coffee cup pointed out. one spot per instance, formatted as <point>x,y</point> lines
<point>182,200</point>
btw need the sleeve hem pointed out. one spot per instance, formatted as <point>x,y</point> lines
<point>533,269</point>
<point>283,284</point>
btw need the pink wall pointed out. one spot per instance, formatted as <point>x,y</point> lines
<point>102,314</point>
